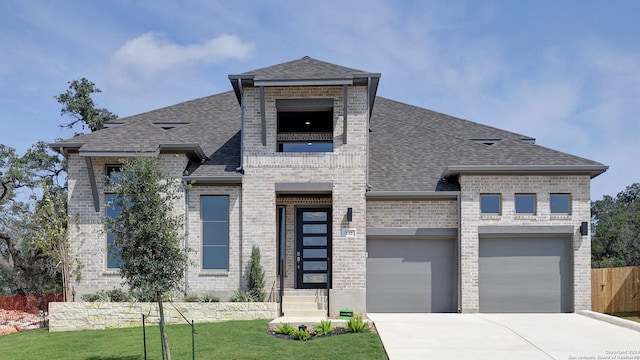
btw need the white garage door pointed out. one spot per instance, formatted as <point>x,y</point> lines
<point>524,274</point>
<point>410,275</point>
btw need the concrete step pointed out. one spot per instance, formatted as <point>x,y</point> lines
<point>304,306</point>
<point>305,292</point>
<point>307,321</point>
<point>305,313</point>
<point>287,299</point>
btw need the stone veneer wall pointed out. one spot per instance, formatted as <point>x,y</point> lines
<point>87,238</point>
<point>69,316</point>
<point>474,185</point>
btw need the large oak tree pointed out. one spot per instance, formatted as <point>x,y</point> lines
<point>616,229</point>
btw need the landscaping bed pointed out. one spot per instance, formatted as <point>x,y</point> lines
<point>12,321</point>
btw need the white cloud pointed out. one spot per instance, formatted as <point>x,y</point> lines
<point>151,54</point>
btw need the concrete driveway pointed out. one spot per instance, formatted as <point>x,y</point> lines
<point>504,336</point>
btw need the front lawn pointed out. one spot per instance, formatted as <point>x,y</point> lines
<point>224,340</point>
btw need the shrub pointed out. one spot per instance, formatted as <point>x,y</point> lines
<point>118,295</point>
<point>255,278</point>
<point>324,328</point>
<point>357,325</point>
<point>114,295</point>
<point>302,335</point>
<point>93,297</point>
<point>241,296</point>
<point>209,298</point>
<point>285,329</point>
<point>191,298</point>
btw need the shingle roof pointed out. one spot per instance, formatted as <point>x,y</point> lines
<point>304,69</point>
<point>212,122</point>
<point>411,148</point>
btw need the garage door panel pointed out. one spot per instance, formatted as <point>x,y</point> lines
<point>523,275</point>
<point>410,275</point>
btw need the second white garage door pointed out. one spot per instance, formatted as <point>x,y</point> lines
<point>410,275</point>
<point>524,274</point>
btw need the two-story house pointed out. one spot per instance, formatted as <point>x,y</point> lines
<point>356,200</point>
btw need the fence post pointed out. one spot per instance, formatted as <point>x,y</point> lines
<point>144,338</point>
<point>193,340</point>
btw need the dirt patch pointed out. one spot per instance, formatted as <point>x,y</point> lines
<point>12,321</point>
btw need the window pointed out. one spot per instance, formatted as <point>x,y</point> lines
<point>215,232</point>
<point>525,203</point>
<point>282,235</point>
<point>305,125</point>
<point>112,171</point>
<point>560,203</point>
<point>113,253</point>
<point>490,204</point>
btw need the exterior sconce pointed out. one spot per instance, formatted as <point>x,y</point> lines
<point>584,228</point>
<point>349,214</point>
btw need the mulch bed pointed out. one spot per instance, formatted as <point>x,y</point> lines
<point>334,332</point>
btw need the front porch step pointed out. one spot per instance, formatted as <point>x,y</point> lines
<point>304,303</point>
<point>305,313</point>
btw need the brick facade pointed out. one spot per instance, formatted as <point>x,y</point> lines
<point>412,213</point>
<point>344,168</point>
<point>87,237</point>
<point>337,180</point>
<point>474,185</point>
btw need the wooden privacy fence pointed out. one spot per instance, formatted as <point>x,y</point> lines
<point>612,289</point>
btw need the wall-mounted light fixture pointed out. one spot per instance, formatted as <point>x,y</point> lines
<point>349,214</point>
<point>584,228</point>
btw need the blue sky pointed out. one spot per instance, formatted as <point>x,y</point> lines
<point>564,72</point>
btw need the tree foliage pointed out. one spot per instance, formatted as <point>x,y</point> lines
<point>255,278</point>
<point>616,229</point>
<point>147,234</point>
<point>78,104</point>
<point>31,198</point>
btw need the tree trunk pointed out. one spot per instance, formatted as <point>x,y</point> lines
<point>163,330</point>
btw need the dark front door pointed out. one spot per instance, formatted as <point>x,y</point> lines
<point>313,248</point>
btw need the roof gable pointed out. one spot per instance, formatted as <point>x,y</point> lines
<point>306,68</point>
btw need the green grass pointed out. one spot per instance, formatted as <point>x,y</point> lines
<point>631,315</point>
<point>224,340</point>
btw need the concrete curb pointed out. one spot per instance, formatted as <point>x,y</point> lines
<point>611,319</point>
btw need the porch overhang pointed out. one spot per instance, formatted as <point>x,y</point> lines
<point>304,188</point>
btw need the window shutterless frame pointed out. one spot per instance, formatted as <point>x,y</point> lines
<point>525,204</point>
<point>110,171</point>
<point>214,214</point>
<point>304,125</point>
<point>113,253</point>
<point>560,203</point>
<point>490,204</point>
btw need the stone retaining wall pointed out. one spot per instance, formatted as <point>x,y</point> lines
<point>68,316</point>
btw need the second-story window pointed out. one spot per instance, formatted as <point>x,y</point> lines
<point>490,204</point>
<point>305,125</point>
<point>112,173</point>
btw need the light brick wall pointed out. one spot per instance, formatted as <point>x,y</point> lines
<point>507,186</point>
<point>345,168</point>
<point>412,213</point>
<point>87,238</point>
<point>222,283</point>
